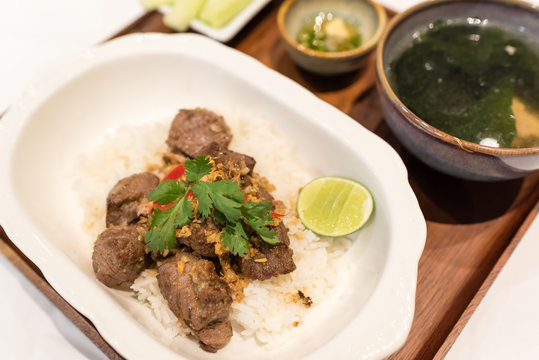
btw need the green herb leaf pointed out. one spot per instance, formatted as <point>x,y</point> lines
<point>260,210</point>
<point>229,207</point>
<point>267,235</point>
<point>235,238</point>
<point>223,199</point>
<point>159,241</point>
<point>163,234</point>
<point>162,237</point>
<point>161,218</point>
<point>166,192</point>
<point>197,168</point>
<point>202,192</point>
<point>227,187</point>
<point>184,212</point>
<point>258,216</point>
<point>219,217</point>
<point>233,191</point>
<point>222,195</point>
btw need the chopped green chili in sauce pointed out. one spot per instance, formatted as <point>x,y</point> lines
<point>329,33</point>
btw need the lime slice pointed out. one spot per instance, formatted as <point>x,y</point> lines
<point>334,206</point>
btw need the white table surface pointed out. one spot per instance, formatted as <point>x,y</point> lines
<point>505,325</point>
<point>32,34</point>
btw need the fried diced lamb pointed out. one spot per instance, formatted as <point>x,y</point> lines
<point>198,240</point>
<point>193,130</point>
<point>269,260</point>
<point>215,336</point>
<point>127,196</point>
<point>119,255</point>
<point>242,163</point>
<point>236,165</point>
<point>264,195</point>
<point>195,292</point>
<point>197,295</point>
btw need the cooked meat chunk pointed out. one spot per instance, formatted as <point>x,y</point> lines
<point>198,240</point>
<point>270,260</point>
<point>237,165</point>
<point>192,130</point>
<point>264,195</point>
<point>196,294</point>
<point>127,196</point>
<point>215,336</point>
<point>119,255</point>
<point>242,163</point>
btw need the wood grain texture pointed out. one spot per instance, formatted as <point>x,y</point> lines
<point>469,224</point>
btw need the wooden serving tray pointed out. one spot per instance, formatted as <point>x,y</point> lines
<point>469,224</point>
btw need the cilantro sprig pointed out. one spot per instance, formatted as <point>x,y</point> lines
<point>223,200</point>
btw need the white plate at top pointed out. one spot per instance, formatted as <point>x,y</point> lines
<point>227,32</point>
<point>140,78</point>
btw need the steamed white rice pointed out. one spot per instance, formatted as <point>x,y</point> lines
<point>268,311</point>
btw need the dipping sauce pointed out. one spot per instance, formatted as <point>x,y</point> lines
<point>473,81</point>
<point>330,33</point>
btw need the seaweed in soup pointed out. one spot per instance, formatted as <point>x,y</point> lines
<point>464,79</point>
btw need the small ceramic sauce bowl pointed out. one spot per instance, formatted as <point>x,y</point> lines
<point>370,18</point>
<point>434,147</point>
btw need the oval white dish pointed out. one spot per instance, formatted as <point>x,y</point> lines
<point>139,78</point>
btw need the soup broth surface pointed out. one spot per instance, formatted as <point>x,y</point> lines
<point>476,82</point>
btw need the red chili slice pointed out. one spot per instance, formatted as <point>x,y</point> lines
<point>163,207</point>
<point>274,214</point>
<point>175,173</point>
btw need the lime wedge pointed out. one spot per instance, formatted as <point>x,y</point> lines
<point>334,206</point>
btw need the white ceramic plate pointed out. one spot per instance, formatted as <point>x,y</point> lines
<point>230,30</point>
<point>139,78</point>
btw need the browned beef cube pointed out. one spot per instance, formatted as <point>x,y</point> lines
<point>118,255</point>
<point>271,260</point>
<point>196,294</point>
<point>235,162</point>
<point>198,240</point>
<point>215,336</point>
<point>127,196</point>
<point>192,130</point>
<point>240,162</point>
<point>264,195</point>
